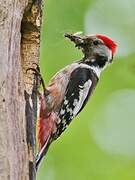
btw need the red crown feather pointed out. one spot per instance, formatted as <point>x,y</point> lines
<point>108,42</point>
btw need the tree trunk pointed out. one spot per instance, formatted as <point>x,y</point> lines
<point>19,49</point>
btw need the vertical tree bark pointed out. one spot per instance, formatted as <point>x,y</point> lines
<point>16,110</point>
<point>30,44</point>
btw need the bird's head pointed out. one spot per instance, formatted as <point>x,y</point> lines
<point>97,49</point>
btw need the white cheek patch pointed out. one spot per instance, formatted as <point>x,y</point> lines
<point>109,54</point>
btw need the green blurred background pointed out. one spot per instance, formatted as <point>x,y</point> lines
<point>100,142</point>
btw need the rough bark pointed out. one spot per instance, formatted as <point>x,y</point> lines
<point>30,44</point>
<point>16,112</point>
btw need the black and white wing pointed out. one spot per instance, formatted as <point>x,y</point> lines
<point>81,84</point>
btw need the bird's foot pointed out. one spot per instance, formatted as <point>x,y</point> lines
<point>37,74</point>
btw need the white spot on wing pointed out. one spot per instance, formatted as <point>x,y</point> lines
<point>80,86</point>
<point>70,110</point>
<point>64,123</point>
<point>82,96</point>
<point>65,102</point>
<point>75,102</point>
<point>62,111</point>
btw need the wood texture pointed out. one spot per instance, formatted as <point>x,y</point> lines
<point>30,46</point>
<point>16,55</point>
<point>13,146</point>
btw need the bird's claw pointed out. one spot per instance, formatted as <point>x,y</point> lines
<point>41,80</point>
<point>35,70</point>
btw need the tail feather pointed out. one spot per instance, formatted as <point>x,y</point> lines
<point>42,152</point>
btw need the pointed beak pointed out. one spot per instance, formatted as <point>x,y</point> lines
<point>75,38</point>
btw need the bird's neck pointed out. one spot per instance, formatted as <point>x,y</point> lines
<point>97,61</point>
<point>97,64</point>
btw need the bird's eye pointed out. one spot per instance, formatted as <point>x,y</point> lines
<point>96,42</point>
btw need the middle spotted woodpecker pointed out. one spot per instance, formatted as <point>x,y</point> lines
<point>69,90</point>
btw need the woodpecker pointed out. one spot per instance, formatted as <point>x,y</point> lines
<point>69,90</point>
